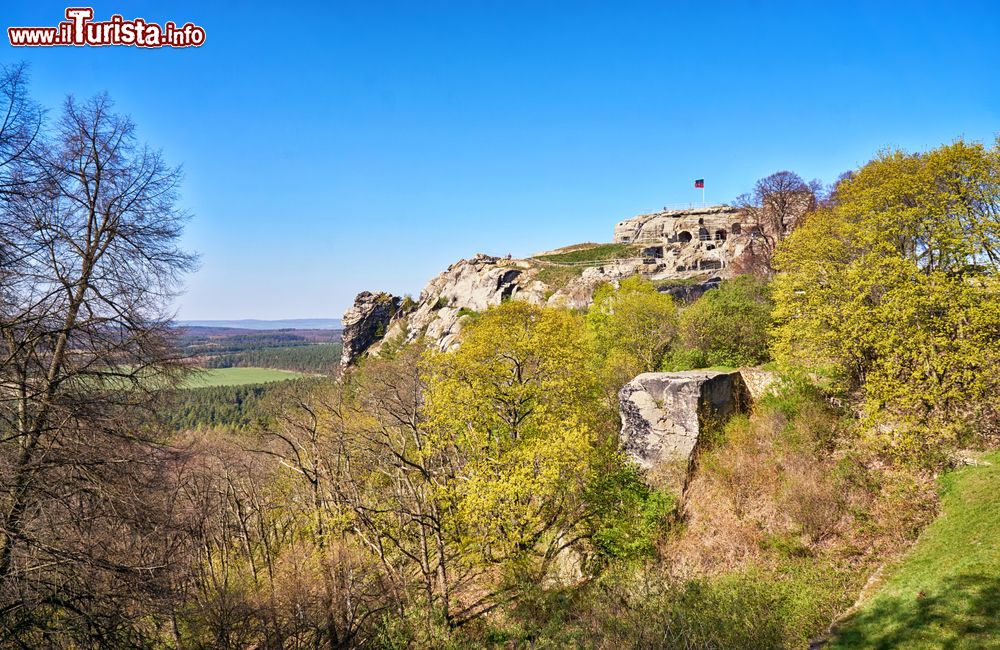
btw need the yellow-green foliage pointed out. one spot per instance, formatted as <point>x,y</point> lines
<point>728,326</point>
<point>516,403</point>
<point>894,289</point>
<point>633,325</point>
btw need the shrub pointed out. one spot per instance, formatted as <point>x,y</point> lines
<point>728,326</point>
<point>632,322</point>
<point>684,359</point>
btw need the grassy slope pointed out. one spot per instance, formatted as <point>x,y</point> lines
<point>946,592</point>
<point>592,253</point>
<point>557,276</point>
<point>239,376</point>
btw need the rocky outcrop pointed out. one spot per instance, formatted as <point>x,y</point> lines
<point>366,322</point>
<point>473,285</point>
<point>759,382</point>
<point>695,245</point>
<point>578,293</point>
<point>692,291</point>
<point>664,413</point>
<point>466,287</point>
<point>672,224</point>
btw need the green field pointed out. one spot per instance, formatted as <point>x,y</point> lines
<point>238,376</point>
<point>946,592</point>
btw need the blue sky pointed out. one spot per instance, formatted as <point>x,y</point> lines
<point>335,147</point>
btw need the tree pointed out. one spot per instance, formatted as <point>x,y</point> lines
<point>771,210</point>
<point>729,326</point>
<point>19,131</point>
<point>86,345</point>
<point>633,326</point>
<point>894,289</point>
<point>20,126</point>
<point>514,407</point>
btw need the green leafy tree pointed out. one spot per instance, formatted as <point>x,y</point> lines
<point>728,326</point>
<point>515,401</point>
<point>633,326</point>
<point>894,290</point>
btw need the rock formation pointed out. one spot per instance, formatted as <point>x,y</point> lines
<point>696,246</point>
<point>685,242</point>
<point>365,323</point>
<point>664,413</point>
<point>466,287</point>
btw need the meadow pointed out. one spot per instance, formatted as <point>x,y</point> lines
<point>239,377</point>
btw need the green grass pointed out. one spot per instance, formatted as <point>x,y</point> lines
<point>594,253</point>
<point>558,277</point>
<point>238,377</point>
<point>945,593</point>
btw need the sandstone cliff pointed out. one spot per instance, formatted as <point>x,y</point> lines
<point>473,285</point>
<point>365,323</point>
<point>685,252</point>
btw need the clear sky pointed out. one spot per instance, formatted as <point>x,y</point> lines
<point>335,147</point>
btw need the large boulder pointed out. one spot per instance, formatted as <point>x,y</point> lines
<point>664,413</point>
<point>365,323</point>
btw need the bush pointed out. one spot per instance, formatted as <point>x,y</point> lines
<point>728,326</point>
<point>684,359</point>
<point>634,515</point>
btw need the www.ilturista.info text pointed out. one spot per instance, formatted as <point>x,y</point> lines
<point>79,29</point>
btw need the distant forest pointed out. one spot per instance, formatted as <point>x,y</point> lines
<point>319,358</point>
<point>199,341</point>
<point>243,408</point>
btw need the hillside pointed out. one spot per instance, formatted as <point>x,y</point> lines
<point>945,592</point>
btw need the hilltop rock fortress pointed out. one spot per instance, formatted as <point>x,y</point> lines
<point>685,243</point>
<point>684,251</point>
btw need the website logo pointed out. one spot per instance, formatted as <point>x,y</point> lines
<point>79,30</point>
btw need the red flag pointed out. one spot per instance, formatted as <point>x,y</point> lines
<point>699,183</point>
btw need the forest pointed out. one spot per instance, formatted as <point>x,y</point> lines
<point>197,341</point>
<point>318,358</point>
<point>480,497</point>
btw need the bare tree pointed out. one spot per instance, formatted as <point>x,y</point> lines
<point>19,129</point>
<point>20,126</point>
<point>774,207</point>
<point>92,263</point>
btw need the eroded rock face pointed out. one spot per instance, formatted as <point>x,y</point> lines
<point>467,286</point>
<point>663,413</point>
<point>366,322</point>
<point>760,382</point>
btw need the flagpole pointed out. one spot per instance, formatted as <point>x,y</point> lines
<point>703,195</point>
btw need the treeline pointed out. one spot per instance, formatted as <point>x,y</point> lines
<point>321,358</point>
<point>243,408</point>
<point>233,407</point>
<point>200,345</point>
